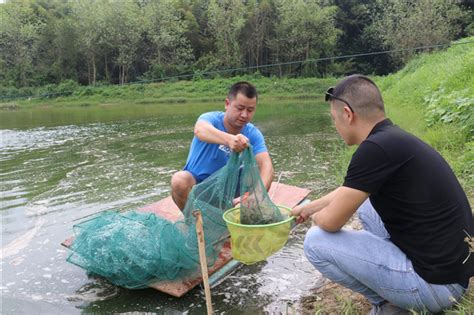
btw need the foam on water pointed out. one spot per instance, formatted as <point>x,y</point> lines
<point>22,241</point>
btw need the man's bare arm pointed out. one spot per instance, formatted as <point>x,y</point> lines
<point>208,133</point>
<point>333,210</point>
<point>265,166</point>
<point>343,204</point>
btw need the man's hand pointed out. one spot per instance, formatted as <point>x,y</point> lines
<point>301,213</point>
<point>238,143</point>
<point>333,210</point>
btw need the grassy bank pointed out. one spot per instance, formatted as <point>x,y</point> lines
<point>174,92</point>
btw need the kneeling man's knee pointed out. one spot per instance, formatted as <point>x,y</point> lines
<point>181,181</point>
<point>315,238</point>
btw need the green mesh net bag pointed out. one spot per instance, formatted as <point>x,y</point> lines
<point>256,208</point>
<point>135,249</point>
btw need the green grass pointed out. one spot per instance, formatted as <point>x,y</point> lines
<point>178,92</point>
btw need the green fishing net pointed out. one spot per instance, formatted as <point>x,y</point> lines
<point>134,249</point>
<point>256,208</point>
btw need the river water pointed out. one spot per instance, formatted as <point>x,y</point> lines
<point>61,164</point>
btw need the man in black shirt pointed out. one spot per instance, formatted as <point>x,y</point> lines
<point>413,253</point>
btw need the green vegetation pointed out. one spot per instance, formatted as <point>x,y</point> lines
<point>115,42</point>
<point>200,90</point>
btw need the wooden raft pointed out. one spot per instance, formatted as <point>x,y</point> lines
<point>281,194</point>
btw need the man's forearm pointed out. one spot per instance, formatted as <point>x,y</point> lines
<point>267,176</point>
<point>317,205</point>
<point>208,133</point>
<point>265,166</point>
<point>339,206</point>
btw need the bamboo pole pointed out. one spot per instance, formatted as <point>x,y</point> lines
<point>203,260</point>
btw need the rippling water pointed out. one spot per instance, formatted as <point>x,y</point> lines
<point>56,171</point>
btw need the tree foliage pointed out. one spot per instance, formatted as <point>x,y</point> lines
<point>306,30</point>
<point>165,28</point>
<point>226,19</point>
<point>124,23</point>
<point>21,24</point>
<point>403,24</point>
<point>118,41</point>
<point>90,21</point>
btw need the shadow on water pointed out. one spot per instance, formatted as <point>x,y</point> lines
<point>59,165</point>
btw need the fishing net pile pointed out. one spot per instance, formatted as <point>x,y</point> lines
<point>134,249</point>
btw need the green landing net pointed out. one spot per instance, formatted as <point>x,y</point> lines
<point>135,249</point>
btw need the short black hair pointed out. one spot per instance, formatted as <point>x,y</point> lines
<point>348,81</point>
<point>243,87</point>
<point>362,93</point>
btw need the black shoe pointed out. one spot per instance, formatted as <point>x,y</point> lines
<point>387,308</point>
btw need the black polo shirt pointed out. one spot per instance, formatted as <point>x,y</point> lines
<point>419,199</point>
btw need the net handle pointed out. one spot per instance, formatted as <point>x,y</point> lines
<point>203,260</point>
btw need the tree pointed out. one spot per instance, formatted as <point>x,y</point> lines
<point>20,29</point>
<point>90,20</point>
<point>165,29</point>
<point>353,18</point>
<point>258,31</point>
<point>306,30</point>
<point>197,34</point>
<point>57,48</point>
<point>226,20</point>
<point>124,27</point>
<point>406,24</point>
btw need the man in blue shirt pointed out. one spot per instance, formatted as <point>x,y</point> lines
<point>216,135</point>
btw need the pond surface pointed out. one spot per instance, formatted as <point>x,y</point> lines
<point>60,164</point>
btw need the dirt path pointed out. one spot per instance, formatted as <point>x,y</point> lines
<point>334,299</point>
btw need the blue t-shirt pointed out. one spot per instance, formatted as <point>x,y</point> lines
<point>205,159</point>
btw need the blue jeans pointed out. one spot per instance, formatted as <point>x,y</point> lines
<point>368,262</point>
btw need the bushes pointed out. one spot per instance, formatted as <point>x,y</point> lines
<point>65,88</point>
<point>11,93</point>
<point>455,108</point>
